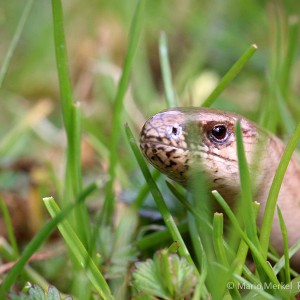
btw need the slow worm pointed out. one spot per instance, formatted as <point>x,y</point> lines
<point>176,139</point>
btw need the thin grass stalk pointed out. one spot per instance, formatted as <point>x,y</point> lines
<point>62,65</point>
<point>218,239</point>
<point>285,246</point>
<point>287,121</point>
<point>246,192</point>
<point>274,191</point>
<point>188,205</point>
<point>15,40</point>
<point>38,240</point>
<point>166,71</point>
<point>255,252</point>
<point>241,254</point>
<point>79,251</point>
<point>167,217</point>
<point>71,117</point>
<point>243,248</point>
<point>9,228</point>
<point>29,250</point>
<point>218,242</point>
<point>197,243</point>
<point>281,262</point>
<point>278,41</point>
<point>70,111</point>
<point>246,196</point>
<point>201,204</point>
<point>135,29</point>
<point>200,256</point>
<point>292,43</point>
<point>229,76</point>
<point>143,192</point>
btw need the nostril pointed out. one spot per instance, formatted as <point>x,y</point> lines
<point>174,130</point>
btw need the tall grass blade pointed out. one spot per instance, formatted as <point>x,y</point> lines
<point>229,76</point>
<point>72,123</point>
<point>15,40</point>
<point>246,190</point>
<point>255,252</point>
<point>285,245</point>
<point>135,29</point>
<point>30,249</point>
<point>292,43</point>
<point>9,228</point>
<point>219,240</point>
<point>79,251</point>
<point>169,221</point>
<point>166,71</point>
<point>274,191</point>
<point>37,241</point>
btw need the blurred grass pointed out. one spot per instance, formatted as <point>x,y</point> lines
<point>204,40</point>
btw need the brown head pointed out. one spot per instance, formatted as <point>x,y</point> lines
<point>175,139</point>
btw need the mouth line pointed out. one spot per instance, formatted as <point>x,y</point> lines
<point>185,149</point>
<point>163,145</point>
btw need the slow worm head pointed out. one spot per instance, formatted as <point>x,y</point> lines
<point>177,139</point>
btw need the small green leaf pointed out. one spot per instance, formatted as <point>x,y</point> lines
<point>37,293</point>
<point>150,277</point>
<point>53,293</point>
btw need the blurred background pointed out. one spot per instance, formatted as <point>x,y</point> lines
<point>205,38</point>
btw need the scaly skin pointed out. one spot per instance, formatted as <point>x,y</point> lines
<point>177,138</point>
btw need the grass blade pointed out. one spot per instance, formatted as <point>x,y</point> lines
<point>62,64</point>
<point>230,75</point>
<point>218,239</point>
<point>169,221</point>
<point>72,123</point>
<point>15,40</point>
<point>135,29</point>
<point>79,251</point>
<point>246,193</point>
<point>291,51</point>
<point>70,111</point>
<point>188,205</point>
<point>255,252</point>
<point>274,191</point>
<point>32,247</point>
<point>292,250</point>
<point>200,256</point>
<point>37,241</point>
<point>9,228</point>
<point>285,245</point>
<point>242,252</point>
<point>166,71</point>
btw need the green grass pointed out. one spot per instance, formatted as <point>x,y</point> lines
<point>109,249</point>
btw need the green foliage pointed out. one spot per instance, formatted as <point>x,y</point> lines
<point>35,292</point>
<point>101,236</point>
<point>167,276</point>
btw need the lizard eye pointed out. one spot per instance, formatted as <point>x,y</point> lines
<point>218,133</point>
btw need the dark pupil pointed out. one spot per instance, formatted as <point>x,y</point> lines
<point>219,132</point>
